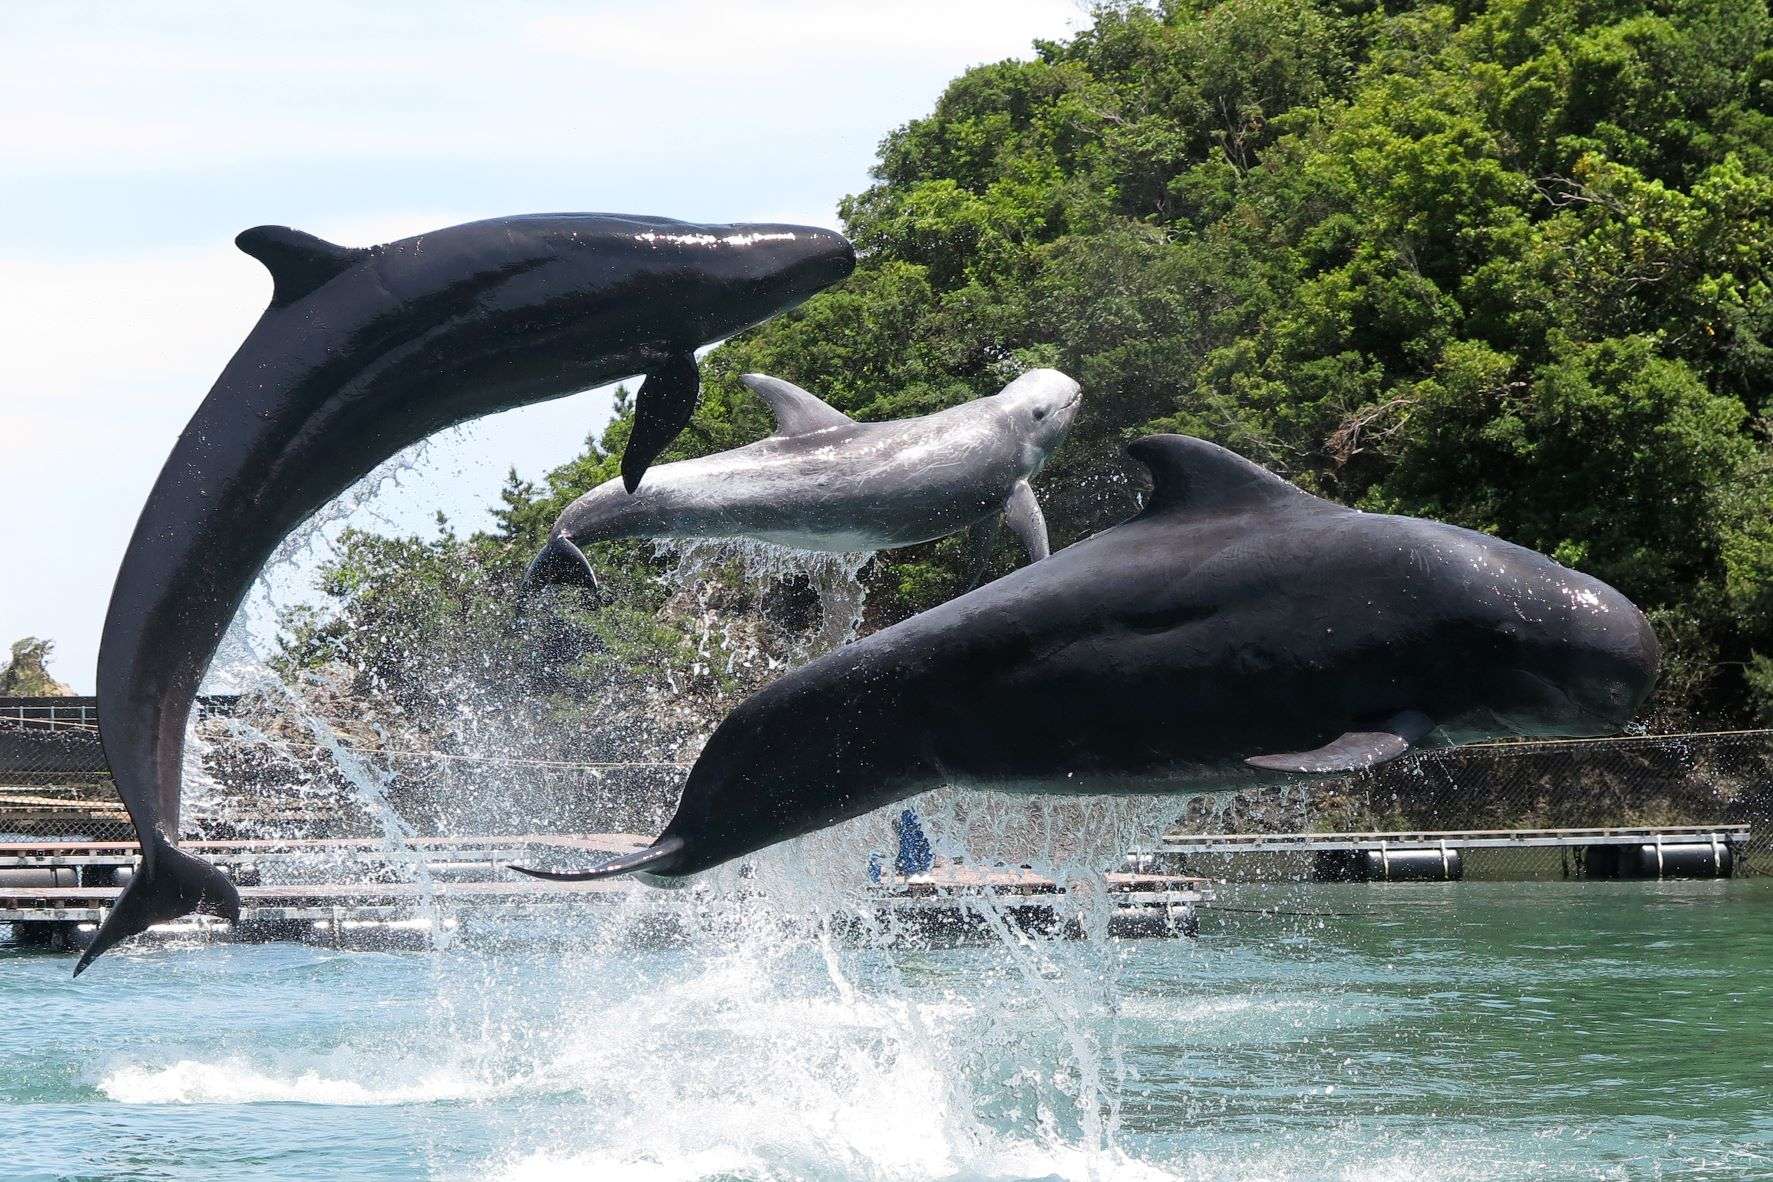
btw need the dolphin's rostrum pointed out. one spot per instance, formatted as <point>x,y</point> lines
<point>825,482</point>
<point>1237,632</point>
<point>361,353</point>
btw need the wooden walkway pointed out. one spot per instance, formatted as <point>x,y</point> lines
<point>57,893</point>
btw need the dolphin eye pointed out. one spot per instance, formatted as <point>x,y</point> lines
<point>1040,412</point>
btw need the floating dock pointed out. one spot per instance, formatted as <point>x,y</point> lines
<point>54,894</point>
<point>1662,851</point>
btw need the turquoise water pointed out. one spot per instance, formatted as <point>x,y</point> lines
<point>1477,1030</point>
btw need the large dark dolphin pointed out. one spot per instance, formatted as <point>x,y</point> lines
<point>361,353</point>
<point>1237,632</point>
<point>825,482</point>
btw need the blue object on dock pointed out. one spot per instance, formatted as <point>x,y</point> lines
<point>915,855</point>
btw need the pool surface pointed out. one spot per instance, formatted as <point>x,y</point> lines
<point>1473,1030</point>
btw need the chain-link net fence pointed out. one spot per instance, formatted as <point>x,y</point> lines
<point>263,782</point>
<point>243,782</point>
<point>53,777</point>
<point>1631,782</point>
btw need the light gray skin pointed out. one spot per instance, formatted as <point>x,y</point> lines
<point>825,482</point>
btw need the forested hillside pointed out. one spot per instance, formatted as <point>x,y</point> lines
<point>1504,265</point>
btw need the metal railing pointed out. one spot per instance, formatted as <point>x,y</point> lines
<point>81,713</point>
<point>50,713</point>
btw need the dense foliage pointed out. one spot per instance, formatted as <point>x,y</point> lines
<point>1506,265</point>
<point>26,674</point>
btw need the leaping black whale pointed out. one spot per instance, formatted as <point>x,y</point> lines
<point>1237,632</point>
<point>824,482</point>
<point>361,353</point>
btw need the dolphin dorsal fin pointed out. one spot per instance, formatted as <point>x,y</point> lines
<point>797,412</point>
<point>298,262</point>
<point>1190,475</point>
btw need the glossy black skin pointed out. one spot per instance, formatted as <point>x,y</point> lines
<point>362,353</point>
<point>1237,616</point>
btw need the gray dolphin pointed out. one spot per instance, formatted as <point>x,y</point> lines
<point>825,482</point>
<point>1237,632</point>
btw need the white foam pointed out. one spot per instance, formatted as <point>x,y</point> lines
<point>238,1081</point>
<point>996,1163</point>
<point>547,1167</point>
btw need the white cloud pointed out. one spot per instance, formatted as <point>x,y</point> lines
<point>782,39</point>
<point>198,85</point>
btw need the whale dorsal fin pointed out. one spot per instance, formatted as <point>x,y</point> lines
<point>1193,476</point>
<point>797,412</point>
<point>298,262</point>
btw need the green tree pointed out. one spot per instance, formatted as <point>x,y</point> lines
<point>1505,264</point>
<point>27,674</point>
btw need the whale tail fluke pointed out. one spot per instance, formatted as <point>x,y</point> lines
<point>559,562</point>
<point>166,885</point>
<point>663,850</point>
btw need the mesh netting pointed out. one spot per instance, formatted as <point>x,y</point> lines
<point>1644,781</point>
<point>53,784</point>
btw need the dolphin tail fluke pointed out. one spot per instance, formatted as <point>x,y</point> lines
<point>662,850</point>
<point>559,562</point>
<point>166,885</point>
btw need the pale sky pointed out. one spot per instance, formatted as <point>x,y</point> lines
<point>140,138</point>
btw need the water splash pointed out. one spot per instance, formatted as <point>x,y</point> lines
<point>782,1037</point>
<point>278,727</point>
<point>702,564</point>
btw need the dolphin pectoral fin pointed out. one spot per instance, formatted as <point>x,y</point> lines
<point>663,408</point>
<point>559,562</point>
<point>1022,514</point>
<point>980,537</point>
<point>1350,752</point>
<point>662,850</point>
<point>1354,750</point>
<point>165,886</point>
